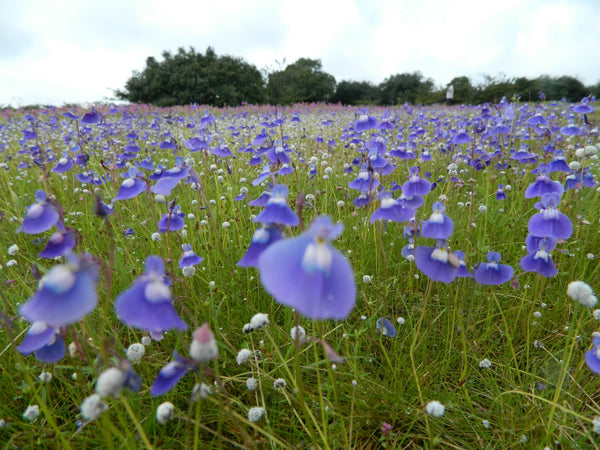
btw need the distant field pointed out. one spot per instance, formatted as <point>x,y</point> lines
<point>139,233</point>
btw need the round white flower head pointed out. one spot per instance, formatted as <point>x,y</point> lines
<point>45,377</point>
<point>158,198</point>
<point>92,406</point>
<point>201,390</point>
<point>135,352</point>
<point>243,356</point>
<point>204,346</point>
<point>596,425</point>
<point>485,363</point>
<point>32,413</point>
<point>340,203</point>
<point>251,383</point>
<point>146,341</point>
<point>247,328</point>
<point>297,333</point>
<point>401,320</point>
<point>485,423</point>
<point>110,382</point>
<point>279,383</point>
<point>259,320</point>
<point>165,412</point>
<point>582,293</point>
<point>3,423</point>
<point>435,408</point>
<point>255,413</point>
<point>366,279</point>
<point>155,237</point>
<point>188,271</point>
<point>13,250</point>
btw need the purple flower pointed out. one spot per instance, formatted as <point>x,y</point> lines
<point>59,244</point>
<point>463,272</point>
<point>67,293</point>
<point>439,225</point>
<point>436,262</point>
<point>492,272</point>
<point>415,186</point>
<point>40,216</point>
<point>543,184</point>
<point>391,209</point>
<point>189,258</point>
<point>584,107</point>
<point>173,221</point>
<point>202,350</point>
<point>308,274</point>
<point>44,342</point>
<point>63,165</point>
<point>592,357</point>
<point>500,194</point>
<point>147,304</point>
<point>539,259</point>
<point>261,239</point>
<point>130,188</point>
<point>365,122</point>
<point>386,328</point>
<point>277,210</point>
<point>549,222</point>
<point>364,182</point>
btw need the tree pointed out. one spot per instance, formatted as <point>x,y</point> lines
<point>464,92</point>
<point>190,77</point>
<point>302,81</point>
<point>355,93</point>
<point>405,88</point>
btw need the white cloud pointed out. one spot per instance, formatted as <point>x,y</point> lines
<point>74,51</point>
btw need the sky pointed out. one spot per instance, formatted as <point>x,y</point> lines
<point>75,51</point>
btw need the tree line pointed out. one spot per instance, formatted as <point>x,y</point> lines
<point>188,76</point>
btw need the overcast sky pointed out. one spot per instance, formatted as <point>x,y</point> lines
<point>75,51</point>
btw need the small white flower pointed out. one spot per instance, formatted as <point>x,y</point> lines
<point>582,292</point>
<point>537,314</point>
<point>251,383</point>
<point>340,203</point>
<point>255,413</point>
<point>574,166</point>
<point>155,237</point>
<point>259,320</point>
<point>485,363</point>
<point>135,352</point>
<point>590,256</point>
<point>73,350</point>
<point>485,423</point>
<point>309,198</point>
<point>201,390</point>
<point>32,413</point>
<point>401,320</point>
<point>92,406</point>
<point>11,263</point>
<point>279,383</point>
<point>435,408</point>
<point>523,439</point>
<point>110,382</point>
<point>146,341</point>
<point>13,250</point>
<point>226,224</point>
<point>366,279</point>
<point>596,314</point>
<point>482,209</point>
<point>165,412</point>
<point>188,271</point>
<point>243,356</point>
<point>297,333</point>
<point>596,425</point>
<point>158,198</point>
<point>45,377</point>
<point>3,423</point>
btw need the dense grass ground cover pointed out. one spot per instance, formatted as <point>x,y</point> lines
<point>536,392</point>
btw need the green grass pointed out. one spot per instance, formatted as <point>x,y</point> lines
<point>538,385</point>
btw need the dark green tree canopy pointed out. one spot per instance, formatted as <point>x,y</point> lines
<point>405,88</point>
<point>191,77</point>
<point>302,81</point>
<point>356,93</point>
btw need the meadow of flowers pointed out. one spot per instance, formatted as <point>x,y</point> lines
<point>313,276</point>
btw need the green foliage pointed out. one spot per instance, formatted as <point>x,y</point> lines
<point>302,81</point>
<point>405,88</point>
<point>356,93</point>
<point>189,77</point>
